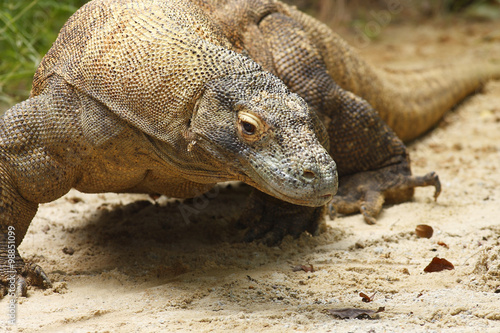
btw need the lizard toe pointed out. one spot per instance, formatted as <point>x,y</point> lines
<point>17,282</point>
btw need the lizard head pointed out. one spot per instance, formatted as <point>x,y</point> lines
<point>256,131</point>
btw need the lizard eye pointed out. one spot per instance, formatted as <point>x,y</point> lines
<point>250,126</point>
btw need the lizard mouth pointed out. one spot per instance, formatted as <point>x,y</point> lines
<point>314,202</point>
<point>313,198</point>
<point>308,201</point>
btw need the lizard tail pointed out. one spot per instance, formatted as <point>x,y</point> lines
<point>410,102</point>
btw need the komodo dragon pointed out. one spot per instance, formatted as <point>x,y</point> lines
<point>174,96</point>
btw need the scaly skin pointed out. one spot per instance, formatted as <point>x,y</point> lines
<point>149,97</point>
<point>174,96</point>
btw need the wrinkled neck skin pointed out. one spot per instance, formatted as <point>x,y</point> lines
<point>191,162</point>
<point>279,155</point>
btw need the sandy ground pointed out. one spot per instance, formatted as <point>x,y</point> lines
<point>138,266</point>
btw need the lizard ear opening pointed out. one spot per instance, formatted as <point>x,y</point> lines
<point>188,133</point>
<point>196,107</point>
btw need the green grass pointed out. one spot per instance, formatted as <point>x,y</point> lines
<point>27,30</point>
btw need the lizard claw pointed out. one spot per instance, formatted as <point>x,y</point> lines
<point>16,274</point>
<point>31,274</point>
<point>36,276</point>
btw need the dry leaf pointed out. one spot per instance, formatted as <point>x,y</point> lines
<point>304,268</point>
<point>438,265</point>
<point>443,244</point>
<point>365,298</point>
<point>424,231</point>
<point>351,313</point>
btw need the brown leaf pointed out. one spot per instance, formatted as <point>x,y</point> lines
<point>443,244</point>
<point>438,265</point>
<point>304,268</point>
<point>351,313</point>
<point>365,298</point>
<point>424,231</point>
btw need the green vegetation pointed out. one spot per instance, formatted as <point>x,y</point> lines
<point>27,30</point>
<point>458,5</point>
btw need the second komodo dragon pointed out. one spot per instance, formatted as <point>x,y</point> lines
<point>171,97</point>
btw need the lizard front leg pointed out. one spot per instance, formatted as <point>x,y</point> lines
<point>16,213</point>
<point>374,165</point>
<point>269,219</point>
<point>28,175</point>
<point>372,161</point>
<point>366,192</point>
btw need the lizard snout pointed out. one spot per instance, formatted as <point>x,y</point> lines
<point>318,174</point>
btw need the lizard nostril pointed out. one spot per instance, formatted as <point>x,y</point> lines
<point>308,175</point>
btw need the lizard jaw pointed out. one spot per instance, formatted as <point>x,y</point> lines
<point>317,194</point>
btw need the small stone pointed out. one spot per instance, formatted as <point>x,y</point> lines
<point>68,250</point>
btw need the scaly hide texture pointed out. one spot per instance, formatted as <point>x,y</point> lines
<point>172,97</point>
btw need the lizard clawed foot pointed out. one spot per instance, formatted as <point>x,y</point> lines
<point>36,276</point>
<point>16,279</point>
<point>366,192</point>
<point>269,220</point>
<point>31,274</point>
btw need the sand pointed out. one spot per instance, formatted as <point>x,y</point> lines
<point>131,264</point>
